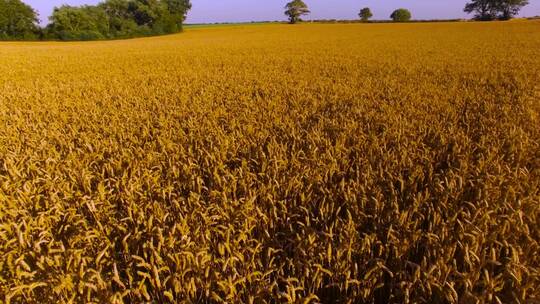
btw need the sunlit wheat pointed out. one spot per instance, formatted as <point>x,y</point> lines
<point>265,164</point>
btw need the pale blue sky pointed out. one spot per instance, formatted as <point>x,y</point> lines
<point>262,10</point>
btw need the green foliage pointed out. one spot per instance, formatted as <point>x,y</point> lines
<point>483,9</point>
<point>178,9</point>
<point>118,19</point>
<point>510,8</point>
<point>401,15</point>
<point>296,9</point>
<point>78,23</point>
<point>17,21</point>
<point>365,14</point>
<point>121,24</point>
<point>486,10</point>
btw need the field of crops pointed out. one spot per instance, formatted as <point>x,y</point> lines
<point>349,163</point>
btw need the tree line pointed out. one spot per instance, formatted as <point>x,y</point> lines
<point>110,19</point>
<point>113,19</point>
<point>17,20</point>
<point>484,10</point>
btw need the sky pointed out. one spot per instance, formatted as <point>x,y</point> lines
<point>210,11</point>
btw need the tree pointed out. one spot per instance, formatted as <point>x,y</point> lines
<point>179,9</point>
<point>507,9</point>
<point>78,23</point>
<point>401,15</point>
<point>174,16</point>
<point>17,20</point>
<point>365,14</point>
<point>483,9</point>
<point>486,10</point>
<point>118,19</point>
<point>146,12</point>
<point>295,9</point>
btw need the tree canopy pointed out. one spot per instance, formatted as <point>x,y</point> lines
<point>17,20</point>
<point>365,14</point>
<point>401,15</point>
<point>495,9</point>
<point>295,10</point>
<point>118,19</point>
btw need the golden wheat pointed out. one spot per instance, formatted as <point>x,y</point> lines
<point>273,163</point>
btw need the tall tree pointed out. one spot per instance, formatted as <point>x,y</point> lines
<point>494,9</point>
<point>146,12</point>
<point>121,22</point>
<point>78,23</point>
<point>178,8</point>
<point>365,14</point>
<point>17,20</point>
<point>508,9</point>
<point>482,9</point>
<point>401,15</point>
<point>175,15</point>
<point>296,9</point>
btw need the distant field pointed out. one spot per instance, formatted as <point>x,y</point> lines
<point>207,25</point>
<point>350,163</point>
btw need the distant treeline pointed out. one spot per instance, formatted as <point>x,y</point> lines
<point>110,19</point>
<point>325,21</point>
<point>383,21</point>
<point>114,19</point>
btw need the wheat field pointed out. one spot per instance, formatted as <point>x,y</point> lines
<point>335,163</point>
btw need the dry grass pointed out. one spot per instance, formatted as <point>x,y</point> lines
<point>267,164</point>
